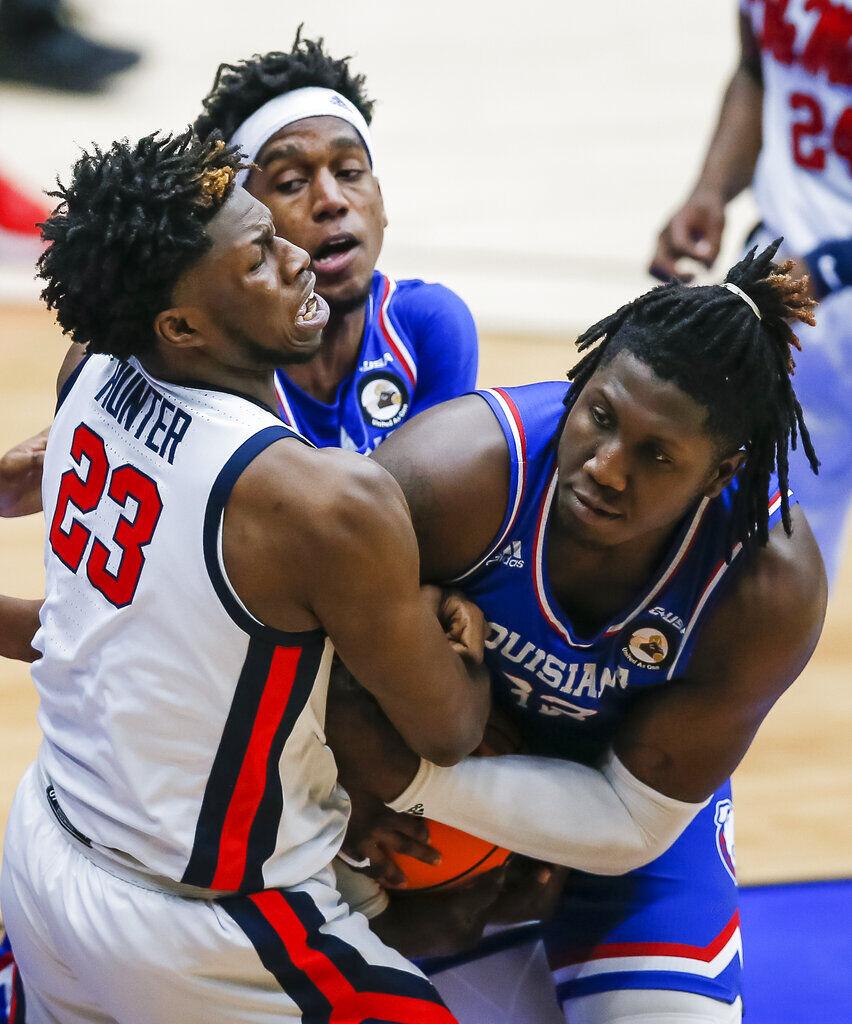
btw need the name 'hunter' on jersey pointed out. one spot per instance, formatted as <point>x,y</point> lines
<point>132,401</point>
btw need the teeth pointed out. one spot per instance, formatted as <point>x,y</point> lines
<point>308,309</point>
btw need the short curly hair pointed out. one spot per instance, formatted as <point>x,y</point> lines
<point>240,89</point>
<point>132,220</point>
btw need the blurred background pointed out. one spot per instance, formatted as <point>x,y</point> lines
<point>528,155</point>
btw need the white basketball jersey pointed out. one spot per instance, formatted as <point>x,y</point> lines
<point>182,737</point>
<point>803,181</point>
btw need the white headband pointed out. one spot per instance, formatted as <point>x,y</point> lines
<point>257,130</point>
<point>746,298</point>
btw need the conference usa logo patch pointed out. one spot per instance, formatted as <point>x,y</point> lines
<point>724,821</point>
<point>384,399</point>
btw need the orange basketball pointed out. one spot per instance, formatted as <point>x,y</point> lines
<point>463,858</point>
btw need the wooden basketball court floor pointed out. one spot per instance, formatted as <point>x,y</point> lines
<point>793,793</point>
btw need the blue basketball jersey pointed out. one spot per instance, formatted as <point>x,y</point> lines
<point>674,923</point>
<point>419,348</point>
<point>567,690</point>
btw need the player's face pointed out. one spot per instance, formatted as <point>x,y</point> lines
<point>251,293</point>
<point>634,456</point>
<point>315,177</point>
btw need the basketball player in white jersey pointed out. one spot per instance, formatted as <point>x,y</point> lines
<point>167,857</point>
<point>785,127</point>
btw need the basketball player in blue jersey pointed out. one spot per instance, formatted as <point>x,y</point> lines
<point>168,855</point>
<point>390,348</point>
<point>651,591</point>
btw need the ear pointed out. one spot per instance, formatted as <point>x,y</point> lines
<point>174,327</point>
<point>723,474</point>
<point>382,198</point>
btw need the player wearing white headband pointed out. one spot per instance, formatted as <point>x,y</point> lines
<point>391,348</point>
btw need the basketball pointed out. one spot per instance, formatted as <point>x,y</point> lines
<point>463,858</point>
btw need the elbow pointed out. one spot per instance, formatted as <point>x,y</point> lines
<point>455,744</point>
<point>622,862</point>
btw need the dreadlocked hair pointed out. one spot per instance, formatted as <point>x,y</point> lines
<point>709,342</point>
<point>131,221</point>
<point>240,89</point>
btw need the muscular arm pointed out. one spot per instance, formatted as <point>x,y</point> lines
<point>452,465</point>
<point>686,739</point>
<point>324,539</point>
<point>695,230</point>
<point>677,745</point>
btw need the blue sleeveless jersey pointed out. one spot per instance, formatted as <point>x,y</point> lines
<point>565,690</point>
<point>674,923</point>
<point>419,348</point>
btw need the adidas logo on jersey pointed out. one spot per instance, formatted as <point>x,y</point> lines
<point>511,555</point>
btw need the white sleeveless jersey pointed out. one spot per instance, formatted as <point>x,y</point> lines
<point>182,737</point>
<point>803,180</point>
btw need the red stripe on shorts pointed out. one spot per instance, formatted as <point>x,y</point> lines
<point>348,1005</point>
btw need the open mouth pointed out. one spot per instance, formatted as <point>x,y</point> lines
<point>334,254</point>
<point>313,312</point>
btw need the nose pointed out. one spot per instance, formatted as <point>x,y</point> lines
<point>329,201</point>
<point>607,466</point>
<point>292,260</point>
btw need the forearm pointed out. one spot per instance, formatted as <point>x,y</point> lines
<point>445,720</point>
<point>604,821</point>
<point>19,620</point>
<point>734,147</point>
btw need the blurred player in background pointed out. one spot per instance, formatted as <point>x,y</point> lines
<point>391,348</point>
<point>785,128</point>
<point>41,46</point>
<point>167,857</point>
<point>650,594</point>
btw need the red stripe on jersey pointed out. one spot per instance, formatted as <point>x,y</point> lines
<point>251,782</point>
<point>347,1005</point>
<point>402,358</point>
<point>611,950</point>
<point>516,416</point>
<point>13,1005</point>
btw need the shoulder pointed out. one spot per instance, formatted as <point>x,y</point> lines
<point>452,464</point>
<point>770,616</point>
<point>322,491</point>
<point>421,303</point>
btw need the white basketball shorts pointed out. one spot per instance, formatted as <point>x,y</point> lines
<point>97,948</point>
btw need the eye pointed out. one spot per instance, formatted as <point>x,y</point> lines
<point>290,186</point>
<point>263,246</point>
<point>351,173</point>
<point>661,457</point>
<point>600,416</point>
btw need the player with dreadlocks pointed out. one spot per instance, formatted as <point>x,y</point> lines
<point>650,593</point>
<point>177,829</point>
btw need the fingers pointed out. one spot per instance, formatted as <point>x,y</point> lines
<point>694,232</point>
<point>398,842</point>
<point>464,625</point>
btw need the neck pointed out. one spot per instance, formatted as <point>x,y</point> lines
<point>336,357</point>
<point>253,382</point>
<point>595,584</point>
